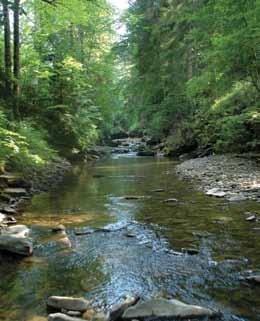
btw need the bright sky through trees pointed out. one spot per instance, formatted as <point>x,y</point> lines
<point>120,4</point>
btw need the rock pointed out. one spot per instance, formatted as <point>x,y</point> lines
<point>9,210</point>
<point>89,314</point>
<point>237,198</point>
<point>118,310</point>
<point>15,191</point>
<point>171,200</point>
<point>167,309</point>
<point>65,241</point>
<point>19,231</point>
<point>191,251</point>
<point>130,235</point>
<point>2,218</point>
<point>254,279</point>
<point>16,245</point>
<point>62,317</point>
<point>251,218</point>
<point>72,313</point>
<point>68,303</point>
<point>133,197</point>
<point>58,228</point>
<point>215,192</point>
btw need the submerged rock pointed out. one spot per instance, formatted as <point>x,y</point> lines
<point>167,309</point>
<point>68,303</point>
<point>146,153</point>
<point>133,197</point>
<point>16,245</point>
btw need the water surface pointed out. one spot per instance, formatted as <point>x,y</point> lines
<point>139,255</point>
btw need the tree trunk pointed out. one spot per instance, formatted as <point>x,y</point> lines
<point>7,48</point>
<point>16,56</point>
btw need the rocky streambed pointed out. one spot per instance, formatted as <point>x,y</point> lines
<point>129,227</point>
<point>15,191</point>
<point>236,178</point>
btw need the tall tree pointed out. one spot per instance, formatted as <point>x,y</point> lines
<point>7,49</point>
<point>16,55</point>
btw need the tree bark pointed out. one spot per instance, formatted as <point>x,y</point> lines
<point>7,49</point>
<point>16,56</point>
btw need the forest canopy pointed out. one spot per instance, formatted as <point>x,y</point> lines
<point>186,73</point>
<point>56,78</point>
<point>194,73</point>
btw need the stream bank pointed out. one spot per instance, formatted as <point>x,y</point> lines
<point>234,177</point>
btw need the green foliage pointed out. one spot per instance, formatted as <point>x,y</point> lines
<point>194,72</point>
<point>24,148</point>
<point>67,82</point>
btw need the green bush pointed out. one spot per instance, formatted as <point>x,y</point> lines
<point>24,148</point>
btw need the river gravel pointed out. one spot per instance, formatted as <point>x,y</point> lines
<point>236,178</point>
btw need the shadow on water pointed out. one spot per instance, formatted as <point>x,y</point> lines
<point>140,254</point>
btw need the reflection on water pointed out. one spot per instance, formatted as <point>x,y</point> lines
<point>138,255</point>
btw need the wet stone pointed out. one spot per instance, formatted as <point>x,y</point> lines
<point>62,317</point>
<point>167,309</point>
<point>68,303</point>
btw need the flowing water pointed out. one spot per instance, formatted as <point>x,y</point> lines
<point>140,254</point>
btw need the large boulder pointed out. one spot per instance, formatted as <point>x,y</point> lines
<point>16,245</point>
<point>68,303</point>
<point>167,309</point>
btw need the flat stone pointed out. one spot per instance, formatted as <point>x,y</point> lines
<point>171,200</point>
<point>167,309</point>
<point>158,190</point>
<point>68,303</point>
<point>15,191</point>
<point>237,198</point>
<point>215,192</point>
<point>118,310</point>
<point>251,218</point>
<point>16,245</point>
<point>133,197</point>
<point>62,317</point>
<point>9,210</point>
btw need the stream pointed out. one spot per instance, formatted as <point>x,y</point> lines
<point>141,252</point>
